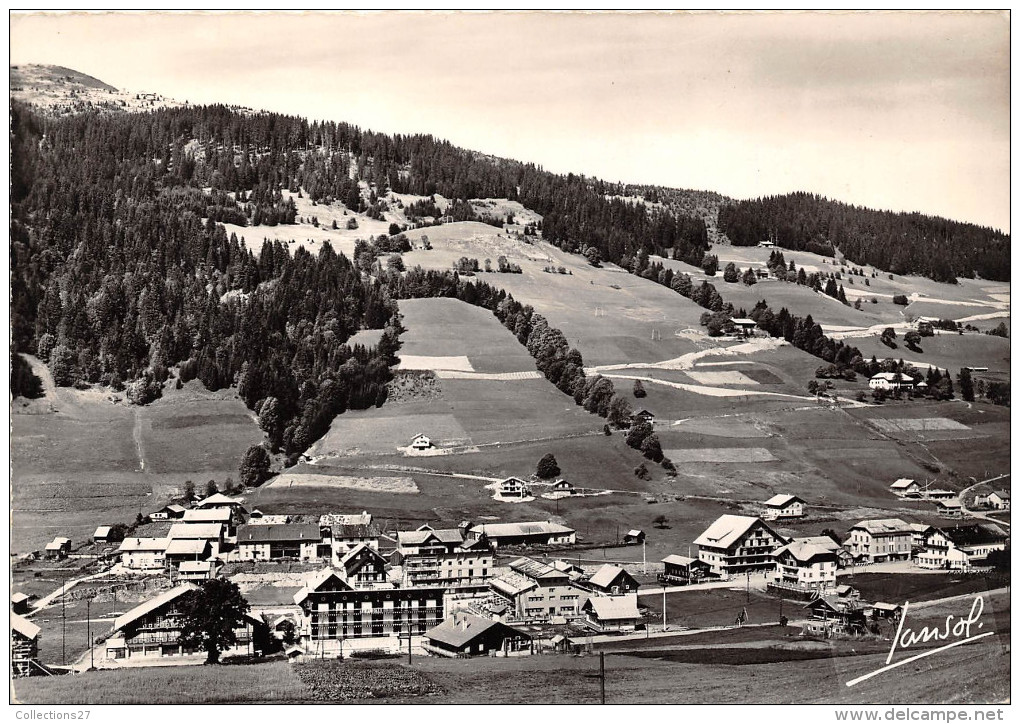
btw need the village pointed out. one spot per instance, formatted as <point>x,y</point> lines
<point>337,585</point>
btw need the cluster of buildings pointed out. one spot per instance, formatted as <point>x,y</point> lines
<point>736,545</point>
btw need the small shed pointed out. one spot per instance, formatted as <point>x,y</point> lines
<point>102,534</point>
<point>19,602</point>
<point>466,635</point>
<point>58,548</point>
<point>634,536</point>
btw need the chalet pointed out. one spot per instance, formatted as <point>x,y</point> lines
<point>939,494</point>
<point>24,647</point>
<point>905,488</point>
<point>444,557</point>
<point>197,571</point>
<point>683,571</point>
<point>745,326</point>
<point>532,533</point>
<point>562,487</point>
<point>952,509</point>
<point>212,532</point>
<point>152,630</point>
<point>143,554</point>
<point>805,566</point>
<point>513,488</point>
<point>168,512</point>
<point>782,506</point>
<point>102,534</point>
<point>885,539</point>
<point>333,611</point>
<point>880,610</point>
<point>20,602</point>
<point>643,416</point>
<point>267,542</point>
<point>634,536</point>
<point>918,534</point>
<point>219,500</point>
<point>997,500</point>
<point>834,616</point>
<point>960,547</point>
<point>421,442</point>
<point>536,592</point>
<point>736,544</point>
<point>766,244</point>
<point>181,550</point>
<point>59,547</point>
<point>364,567</point>
<point>611,580</point>
<point>612,613</point>
<point>464,635</point>
<point>891,381</point>
<point>845,590</point>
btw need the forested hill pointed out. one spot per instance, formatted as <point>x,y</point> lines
<point>120,271</point>
<point>902,243</point>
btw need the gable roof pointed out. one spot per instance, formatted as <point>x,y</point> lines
<point>173,508</point>
<point>614,608</point>
<point>24,627</point>
<point>975,534</point>
<point>276,532</point>
<point>218,499</point>
<point>903,483</point>
<point>315,582</point>
<point>678,560</point>
<point>508,530</point>
<point>806,553</point>
<point>195,566</point>
<point>208,531</point>
<point>728,529</point>
<point>1001,494</point>
<point>207,515</point>
<point>819,541</point>
<point>605,575</point>
<point>884,526</point>
<point>423,534</point>
<point>781,501</point>
<point>153,604</point>
<point>461,628</point>
<point>133,545</point>
<point>334,519</point>
<point>187,547</point>
<point>19,597</point>
<point>512,585</point>
<point>535,570</point>
<point>356,551</point>
<point>102,531</point>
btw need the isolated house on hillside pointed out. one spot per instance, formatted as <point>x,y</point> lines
<point>783,506</point>
<point>905,488</point>
<point>463,634</point>
<point>737,544</point>
<point>634,536</point>
<point>168,512</point>
<point>102,534</point>
<point>59,547</point>
<point>745,326</point>
<point>643,416</point>
<point>421,442</point>
<point>513,488</point>
<point>891,381</point>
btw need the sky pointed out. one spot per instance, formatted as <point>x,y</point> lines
<point>900,111</point>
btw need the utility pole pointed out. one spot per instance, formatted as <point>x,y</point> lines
<point>663,606</point>
<point>408,645</point>
<point>602,675</point>
<point>88,625</point>
<point>644,560</point>
<point>63,622</point>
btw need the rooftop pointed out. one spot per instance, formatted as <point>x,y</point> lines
<point>615,608</point>
<point>208,531</point>
<point>507,530</point>
<point>605,575</point>
<point>207,515</point>
<point>884,526</point>
<point>274,533</point>
<point>24,627</point>
<point>781,501</point>
<point>132,545</point>
<point>460,628</point>
<point>726,530</point>
<point>153,604</point>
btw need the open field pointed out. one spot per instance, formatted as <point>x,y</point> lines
<point>378,484</point>
<point>79,459</point>
<point>558,679</point>
<point>945,351</point>
<point>268,682</point>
